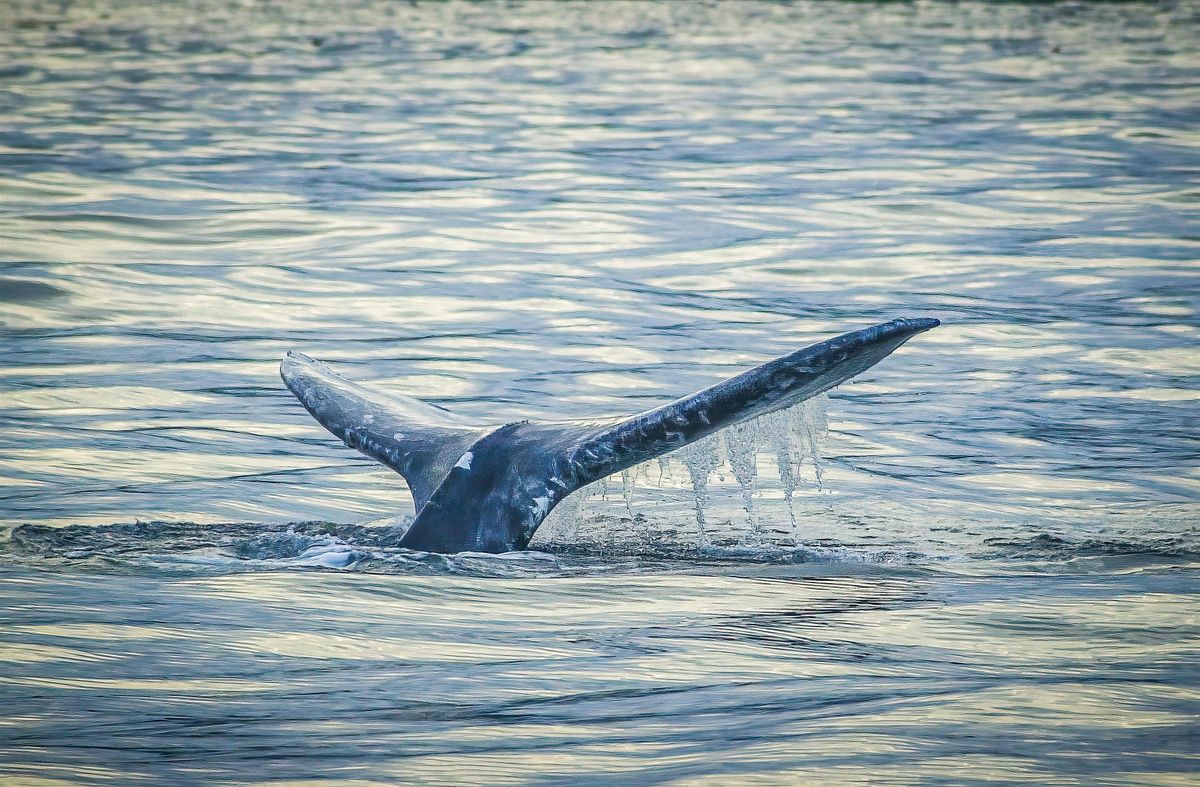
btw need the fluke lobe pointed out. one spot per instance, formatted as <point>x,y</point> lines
<point>487,488</point>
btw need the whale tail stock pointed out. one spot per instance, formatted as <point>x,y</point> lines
<point>487,488</point>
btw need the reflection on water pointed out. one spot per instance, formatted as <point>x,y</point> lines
<point>784,674</point>
<point>536,210</point>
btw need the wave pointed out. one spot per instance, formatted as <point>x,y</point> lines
<point>193,548</point>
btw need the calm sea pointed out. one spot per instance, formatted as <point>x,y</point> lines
<point>979,563</point>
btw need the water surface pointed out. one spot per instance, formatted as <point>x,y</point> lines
<point>989,565</point>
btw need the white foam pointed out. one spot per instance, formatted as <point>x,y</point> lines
<point>326,556</point>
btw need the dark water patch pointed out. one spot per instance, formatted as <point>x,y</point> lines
<point>28,291</point>
<point>1046,546</point>
<point>214,549</point>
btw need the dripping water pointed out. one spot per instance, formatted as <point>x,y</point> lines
<point>627,479</point>
<point>701,458</point>
<point>787,443</point>
<point>779,431</point>
<point>741,452</point>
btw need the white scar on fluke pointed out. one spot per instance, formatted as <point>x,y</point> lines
<point>487,487</point>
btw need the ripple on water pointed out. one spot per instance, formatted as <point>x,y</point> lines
<point>984,568</point>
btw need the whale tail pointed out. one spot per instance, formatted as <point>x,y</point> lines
<point>416,439</point>
<point>487,488</point>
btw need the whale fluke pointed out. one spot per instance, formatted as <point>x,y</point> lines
<point>487,488</point>
<point>416,439</point>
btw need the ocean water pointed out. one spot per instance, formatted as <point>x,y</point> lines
<point>976,562</point>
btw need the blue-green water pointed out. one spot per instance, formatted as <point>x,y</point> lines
<point>529,210</point>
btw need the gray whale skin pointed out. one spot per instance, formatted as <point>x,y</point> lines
<point>486,488</point>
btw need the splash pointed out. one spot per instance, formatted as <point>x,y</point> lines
<point>779,432</point>
<point>701,458</point>
<point>771,458</point>
<point>627,482</point>
<point>741,452</point>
